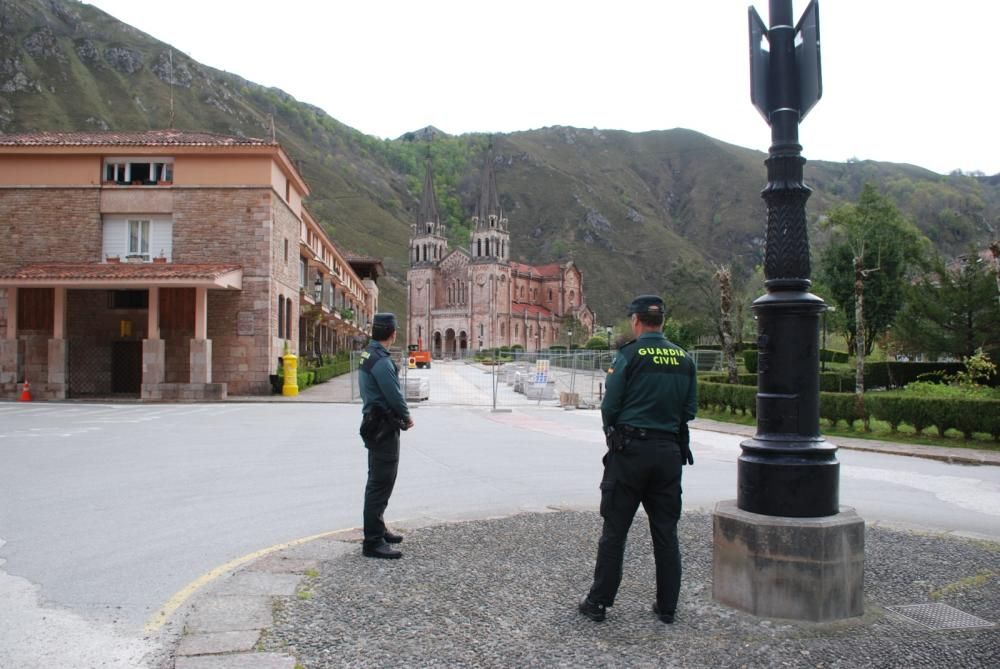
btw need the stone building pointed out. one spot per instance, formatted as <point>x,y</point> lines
<point>164,264</point>
<point>460,301</point>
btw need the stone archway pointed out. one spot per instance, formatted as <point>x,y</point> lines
<point>449,342</point>
<point>463,343</point>
<point>437,345</point>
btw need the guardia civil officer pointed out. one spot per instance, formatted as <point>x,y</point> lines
<point>384,414</point>
<point>651,396</point>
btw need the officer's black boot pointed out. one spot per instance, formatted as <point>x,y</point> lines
<point>595,612</point>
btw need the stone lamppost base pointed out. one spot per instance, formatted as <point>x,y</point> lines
<point>796,568</point>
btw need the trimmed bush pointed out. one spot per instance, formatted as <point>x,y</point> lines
<point>898,374</point>
<point>750,361</point>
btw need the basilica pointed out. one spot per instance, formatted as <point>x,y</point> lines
<point>463,300</point>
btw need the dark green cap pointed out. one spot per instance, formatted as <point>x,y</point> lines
<point>383,325</point>
<point>651,305</point>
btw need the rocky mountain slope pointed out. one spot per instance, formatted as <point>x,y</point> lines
<point>652,211</point>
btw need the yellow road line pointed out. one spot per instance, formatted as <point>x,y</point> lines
<point>182,595</point>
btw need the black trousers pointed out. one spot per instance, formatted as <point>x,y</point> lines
<point>383,463</point>
<point>648,473</point>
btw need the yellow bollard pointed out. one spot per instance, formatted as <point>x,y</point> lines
<point>290,363</point>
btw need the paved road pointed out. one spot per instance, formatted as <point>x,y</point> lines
<point>106,511</point>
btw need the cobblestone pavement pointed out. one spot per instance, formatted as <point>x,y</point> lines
<point>503,593</point>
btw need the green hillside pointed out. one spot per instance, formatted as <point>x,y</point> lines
<point>637,212</point>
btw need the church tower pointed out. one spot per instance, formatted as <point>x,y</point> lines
<point>428,245</point>
<point>490,240</point>
<point>428,242</point>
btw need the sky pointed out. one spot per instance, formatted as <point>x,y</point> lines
<point>905,81</point>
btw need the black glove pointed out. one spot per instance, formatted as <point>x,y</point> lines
<point>684,440</point>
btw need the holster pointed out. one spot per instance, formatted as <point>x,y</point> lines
<point>614,438</point>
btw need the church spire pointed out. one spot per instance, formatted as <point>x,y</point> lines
<point>428,237</point>
<point>489,203</point>
<point>489,240</point>
<point>428,212</point>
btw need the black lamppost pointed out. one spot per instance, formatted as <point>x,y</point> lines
<point>787,468</point>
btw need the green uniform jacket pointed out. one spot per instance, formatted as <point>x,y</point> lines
<point>651,384</point>
<point>380,387</point>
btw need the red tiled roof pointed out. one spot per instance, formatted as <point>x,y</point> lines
<point>518,309</point>
<point>119,271</point>
<point>130,138</point>
<point>552,269</point>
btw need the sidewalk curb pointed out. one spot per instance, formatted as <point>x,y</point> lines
<point>223,625</point>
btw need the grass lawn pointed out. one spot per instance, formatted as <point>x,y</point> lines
<point>879,430</point>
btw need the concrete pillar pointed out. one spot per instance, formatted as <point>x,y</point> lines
<point>201,313</point>
<point>201,361</point>
<point>11,313</point>
<point>154,362</point>
<point>59,315</point>
<point>153,324</point>
<point>8,361</point>
<point>58,355</point>
<point>783,567</point>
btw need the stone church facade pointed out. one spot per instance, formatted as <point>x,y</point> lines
<point>460,301</point>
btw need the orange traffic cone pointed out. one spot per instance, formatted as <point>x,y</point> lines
<point>26,392</point>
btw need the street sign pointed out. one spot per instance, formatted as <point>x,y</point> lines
<point>759,64</point>
<point>807,62</point>
<point>541,372</point>
<point>807,59</point>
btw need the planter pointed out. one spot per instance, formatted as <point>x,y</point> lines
<point>160,260</point>
<point>277,381</point>
<point>113,259</point>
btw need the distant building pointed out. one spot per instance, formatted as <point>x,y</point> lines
<point>462,300</point>
<point>164,264</point>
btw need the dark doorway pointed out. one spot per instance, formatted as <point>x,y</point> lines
<point>126,367</point>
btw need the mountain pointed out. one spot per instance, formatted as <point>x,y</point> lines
<point>638,212</point>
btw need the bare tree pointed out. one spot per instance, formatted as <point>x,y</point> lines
<point>725,278</point>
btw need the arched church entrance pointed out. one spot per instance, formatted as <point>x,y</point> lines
<point>449,342</point>
<point>436,352</point>
<point>463,343</point>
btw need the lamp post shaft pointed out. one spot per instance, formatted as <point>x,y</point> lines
<point>787,469</point>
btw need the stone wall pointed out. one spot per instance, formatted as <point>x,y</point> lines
<point>34,218</point>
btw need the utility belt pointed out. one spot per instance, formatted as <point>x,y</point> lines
<point>646,434</point>
<point>377,419</point>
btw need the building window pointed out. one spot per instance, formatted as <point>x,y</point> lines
<point>288,319</point>
<point>141,171</point>
<point>138,239</point>
<point>281,316</point>
<point>286,251</point>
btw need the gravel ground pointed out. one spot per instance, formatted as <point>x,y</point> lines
<point>503,593</point>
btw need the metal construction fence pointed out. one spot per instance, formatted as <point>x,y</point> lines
<point>511,380</point>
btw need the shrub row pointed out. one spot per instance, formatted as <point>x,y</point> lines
<point>965,415</point>
<point>877,374</point>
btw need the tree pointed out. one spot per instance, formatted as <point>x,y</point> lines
<point>725,278</point>
<point>865,265</point>
<point>951,311</point>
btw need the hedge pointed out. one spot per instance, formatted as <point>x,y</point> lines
<point>877,374</point>
<point>965,415</point>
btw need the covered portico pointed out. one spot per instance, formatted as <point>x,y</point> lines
<point>111,329</point>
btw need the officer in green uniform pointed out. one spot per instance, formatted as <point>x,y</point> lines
<point>651,395</point>
<point>384,414</point>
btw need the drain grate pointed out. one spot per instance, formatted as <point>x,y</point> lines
<point>939,616</point>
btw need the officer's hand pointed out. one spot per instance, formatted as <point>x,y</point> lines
<point>409,424</point>
<point>687,455</point>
